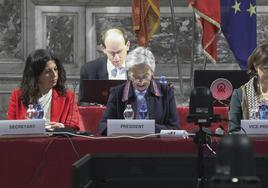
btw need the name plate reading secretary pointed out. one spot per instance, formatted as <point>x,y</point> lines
<point>15,127</point>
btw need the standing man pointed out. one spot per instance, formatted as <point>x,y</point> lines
<point>115,45</point>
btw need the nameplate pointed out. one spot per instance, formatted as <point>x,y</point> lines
<point>174,133</point>
<point>255,127</point>
<point>19,127</point>
<point>130,127</point>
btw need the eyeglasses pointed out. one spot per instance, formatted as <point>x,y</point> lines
<point>143,78</point>
<point>113,54</point>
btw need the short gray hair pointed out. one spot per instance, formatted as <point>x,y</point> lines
<point>140,55</point>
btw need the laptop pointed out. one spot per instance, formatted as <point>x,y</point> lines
<point>97,91</point>
<point>221,83</point>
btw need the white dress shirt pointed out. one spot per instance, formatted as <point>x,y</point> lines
<point>116,73</point>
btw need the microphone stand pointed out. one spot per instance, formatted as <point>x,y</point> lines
<point>178,54</point>
<point>73,96</point>
<point>200,139</point>
<point>67,127</point>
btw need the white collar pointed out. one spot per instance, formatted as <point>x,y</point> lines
<point>110,66</point>
<point>122,73</point>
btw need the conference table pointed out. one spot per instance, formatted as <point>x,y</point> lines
<point>41,162</point>
<point>46,161</point>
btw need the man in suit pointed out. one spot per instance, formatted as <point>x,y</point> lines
<point>115,45</point>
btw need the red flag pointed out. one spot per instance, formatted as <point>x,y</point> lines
<point>210,16</point>
<point>146,19</point>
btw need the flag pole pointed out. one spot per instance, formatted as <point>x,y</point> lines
<point>193,53</point>
<point>178,55</point>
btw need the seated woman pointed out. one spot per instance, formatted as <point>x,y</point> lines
<point>246,99</point>
<point>43,83</point>
<point>140,89</point>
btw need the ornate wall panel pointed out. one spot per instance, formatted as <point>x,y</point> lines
<point>162,43</point>
<point>12,30</point>
<point>72,30</point>
<point>61,29</point>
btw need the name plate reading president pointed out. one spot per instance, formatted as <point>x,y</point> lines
<point>130,127</point>
<point>255,127</point>
<point>15,127</point>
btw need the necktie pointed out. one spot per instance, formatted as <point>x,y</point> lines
<point>122,70</point>
<point>141,105</point>
<point>114,72</point>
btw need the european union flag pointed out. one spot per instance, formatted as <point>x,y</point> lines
<point>238,24</point>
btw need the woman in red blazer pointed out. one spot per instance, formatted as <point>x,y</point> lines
<point>43,83</point>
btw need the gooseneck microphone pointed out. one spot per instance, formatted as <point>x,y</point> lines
<point>74,84</point>
<point>68,128</point>
<point>219,131</point>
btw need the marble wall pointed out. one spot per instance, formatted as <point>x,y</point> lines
<point>60,37</point>
<point>11,31</point>
<point>162,43</point>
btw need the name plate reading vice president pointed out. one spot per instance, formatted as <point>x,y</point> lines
<point>255,127</point>
<point>19,127</point>
<point>130,127</point>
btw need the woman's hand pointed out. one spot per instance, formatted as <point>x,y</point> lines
<point>53,125</point>
<point>56,125</point>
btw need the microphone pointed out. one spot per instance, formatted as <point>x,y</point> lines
<point>68,127</point>
<point>74,84</point>
<point>235,129</point>
<point>219,132</point>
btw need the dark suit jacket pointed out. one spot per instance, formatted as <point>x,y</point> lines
<point>160,101</point>
<point>93,70</point>
<point>63,108</point>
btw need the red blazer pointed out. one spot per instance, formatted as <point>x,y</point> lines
<point>63,108</point>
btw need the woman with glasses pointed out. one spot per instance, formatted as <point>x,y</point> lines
<point>246,100</point>
<point>142,91</point>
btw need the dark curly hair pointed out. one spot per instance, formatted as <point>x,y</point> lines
<point>35,64</point>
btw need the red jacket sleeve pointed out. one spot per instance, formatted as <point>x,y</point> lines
<point>72,118</point>
<point>64,109</point>
<point>16,109</point>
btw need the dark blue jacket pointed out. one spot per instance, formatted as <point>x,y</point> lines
<point>93,70</point>
<point>160,101</point>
